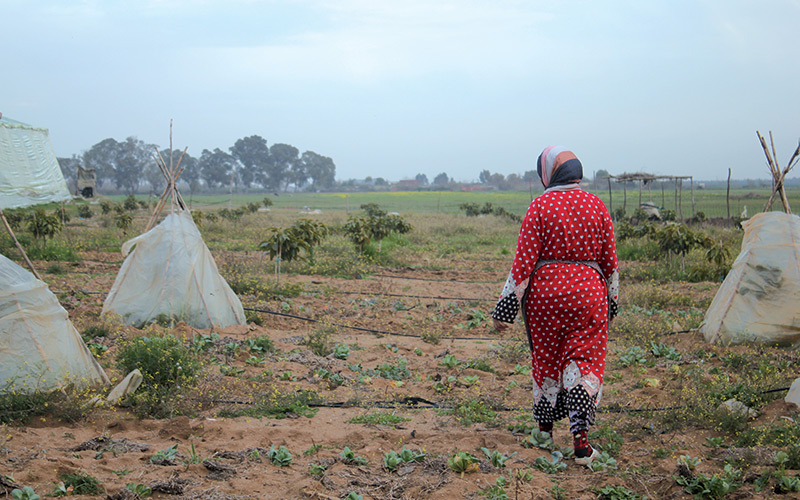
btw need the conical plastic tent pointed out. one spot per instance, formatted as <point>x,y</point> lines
<point>759,301</point>
<point>39,347</point>
<point>29,171</point>
<point>170,274</point>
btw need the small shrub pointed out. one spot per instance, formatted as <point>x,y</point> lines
<point>85,212</point>
<point>319,341</point>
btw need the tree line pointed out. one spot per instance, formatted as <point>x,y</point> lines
<point>130,165</point>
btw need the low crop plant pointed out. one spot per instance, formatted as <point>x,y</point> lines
<point>261,345</point>
<point>26,493</point>
<point>139,490</point>
<point>280,456</point>
<point>349,457</point>
<point>552,466</point>
<point>604,462</point>
<point>167,456</point>
<point>463,462</point>
<point>539,439</point>
<point>715,487</point>
<point>449,361</point>
<point>619,492</point>
<point>496,458</point>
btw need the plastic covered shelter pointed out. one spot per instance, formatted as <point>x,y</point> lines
<point>29,171</point>
<point>39,347</point>
<point>169,274</point>
<point>759,301</point>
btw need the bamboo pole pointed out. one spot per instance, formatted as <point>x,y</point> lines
<point>728,194</point>
<point>610,197</point>
<point>691,180</point>
<point>19,247</point>
<point>680,199</point>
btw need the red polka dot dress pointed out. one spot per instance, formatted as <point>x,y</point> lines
<point>565,276</point>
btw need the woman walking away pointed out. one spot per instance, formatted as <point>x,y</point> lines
<point>565,277</point>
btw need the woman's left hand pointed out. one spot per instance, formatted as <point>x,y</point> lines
<point>499,325</point>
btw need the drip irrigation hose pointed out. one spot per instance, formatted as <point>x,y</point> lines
<point>433,279</point>
<point>368,330</point>
<point>416,402</point>
<point>464,299</point>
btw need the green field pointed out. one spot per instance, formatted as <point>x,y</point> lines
<point>712,202</point>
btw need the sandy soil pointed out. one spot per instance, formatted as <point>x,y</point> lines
<point>114,446</point>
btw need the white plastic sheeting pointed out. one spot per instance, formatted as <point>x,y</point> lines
<point>170,273</point>
<point>759,301</point>
<point>29,171</point>
<point>39,347</point>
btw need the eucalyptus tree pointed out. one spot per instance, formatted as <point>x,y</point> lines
<point>253,156</point>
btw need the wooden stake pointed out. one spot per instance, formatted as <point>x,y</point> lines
<point>19,247</point>
<point>728,194</point>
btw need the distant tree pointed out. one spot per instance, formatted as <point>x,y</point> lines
<point>103,157</point>
<point>216,167</point>
<point>133,158</point>
<point>441,179</point>
<point>190,172</point>
<point>602,174</point>
<point>283,157</point>
<point>380,181</point>
<point>422,179</point>
<point>320,169</point>
<point>513,179</point>
<point>497,180</point>
<point>485,176</point>
<point>298,174</point>
<point>530,176</point>
<point>254,157</point>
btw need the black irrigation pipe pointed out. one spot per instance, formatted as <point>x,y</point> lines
<point>433,279</point>
<point>384,332</point>
<point>368,330</point>
<point>416,402</point>
<point>464,299</point>
<point>411,335</point>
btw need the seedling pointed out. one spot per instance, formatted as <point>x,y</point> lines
<point>391,460</point>
<point>551,466</point>
<point>604,462</point>
<point>689,462</point>
<point>280,457</point>
<point>140,490</point>
<point>539,439</point>
<point>25,493</point>
<point>496,458</point>
<point>166,456</point>
<point>412,456</point>
<point>449,361</point>
<point>463,462</point>
<point>349,457</point>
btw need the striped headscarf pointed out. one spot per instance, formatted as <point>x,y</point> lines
<point>558,166</point>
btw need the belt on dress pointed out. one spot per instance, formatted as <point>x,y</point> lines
<point>543,262</point>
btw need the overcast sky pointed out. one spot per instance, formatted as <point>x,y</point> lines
<point>394,88</point>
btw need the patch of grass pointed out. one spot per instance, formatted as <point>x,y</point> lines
<point>168,368</point>
<point>473,411</point>
<point>277,405</point>
<point>51,251</point>
<point>78,483</point>
<point>379,418</point>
